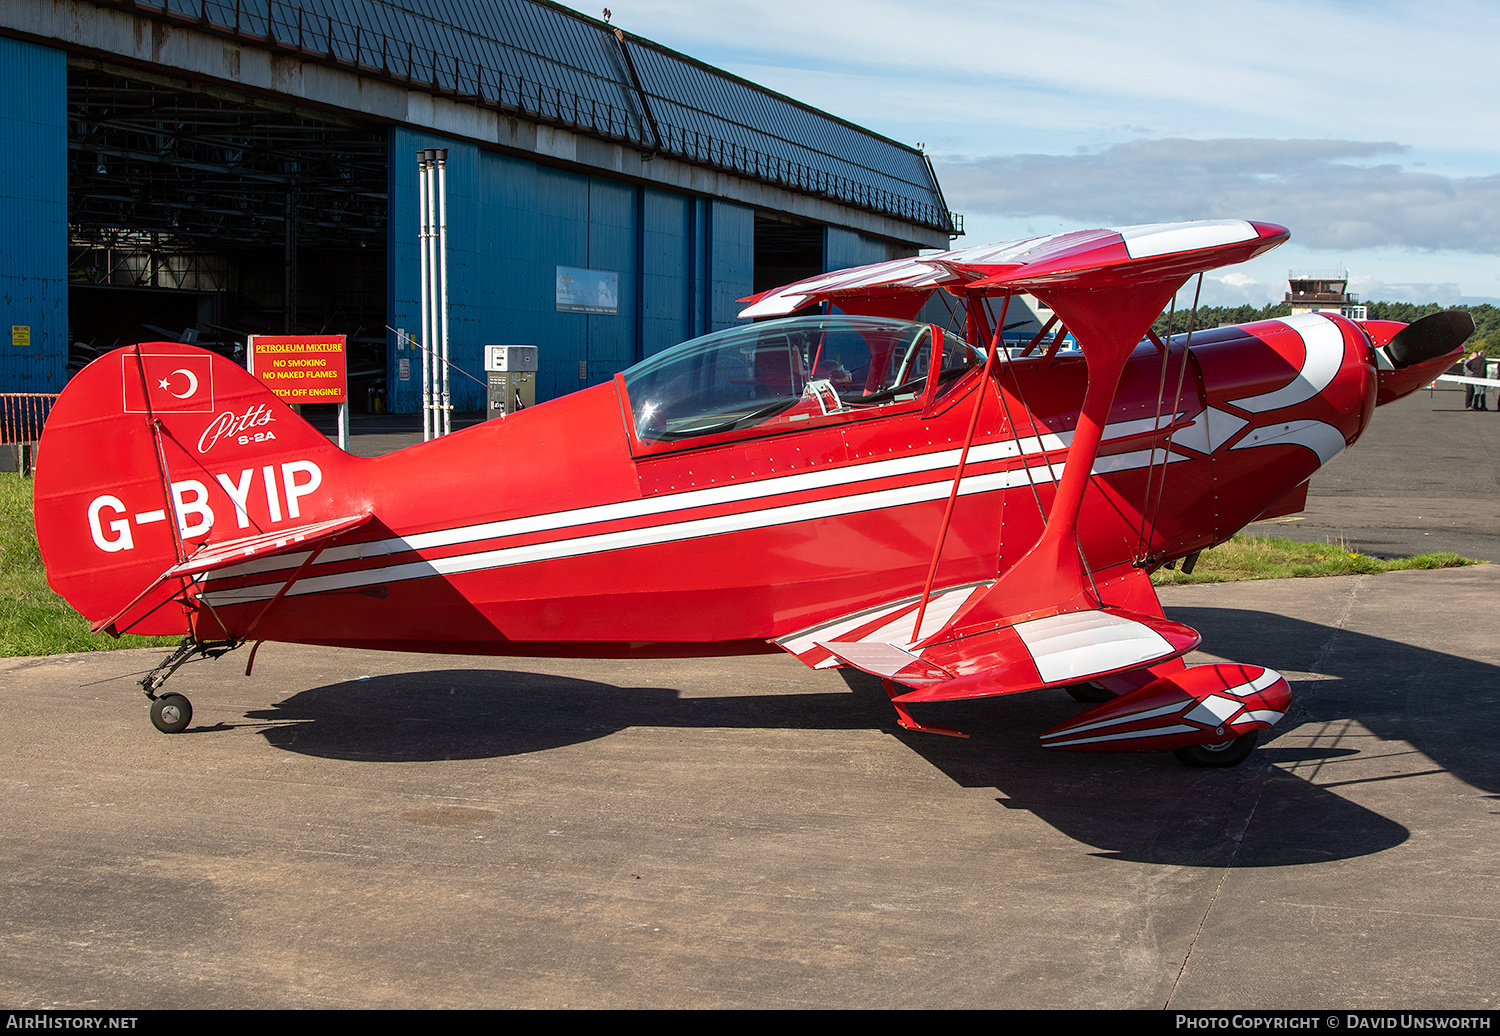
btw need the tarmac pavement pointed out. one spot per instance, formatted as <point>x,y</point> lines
<point>363,829</point>
<point>1424,476</point>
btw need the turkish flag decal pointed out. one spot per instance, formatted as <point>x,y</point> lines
<point>172,384</point>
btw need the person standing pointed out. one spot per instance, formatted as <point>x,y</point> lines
<point>1476,369</point>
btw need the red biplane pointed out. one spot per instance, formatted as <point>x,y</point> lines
<point>852,486</point>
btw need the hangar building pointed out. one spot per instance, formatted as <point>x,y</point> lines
<point>206,169</point>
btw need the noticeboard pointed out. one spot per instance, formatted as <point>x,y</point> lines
<point>301,368</point>
<point>588,291</point>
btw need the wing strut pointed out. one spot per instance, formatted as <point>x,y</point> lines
<point>1048,326</point>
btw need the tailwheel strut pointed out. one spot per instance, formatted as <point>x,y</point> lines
<point>171,713</point>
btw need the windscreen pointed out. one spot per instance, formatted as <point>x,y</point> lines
<point>746,375</point>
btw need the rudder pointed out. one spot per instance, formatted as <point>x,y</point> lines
<point>155,450</point>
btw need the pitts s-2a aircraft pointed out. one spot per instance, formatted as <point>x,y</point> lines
<point>853,487</point>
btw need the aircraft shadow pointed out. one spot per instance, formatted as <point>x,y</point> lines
<point>480,714</point>
<point>1146,807</point>
<point>1139,807</point>
<point>1446,706</point>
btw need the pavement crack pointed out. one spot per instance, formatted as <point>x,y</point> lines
<point>1298,713</point>
<point>1341,625</point>
<point>1238,840</point>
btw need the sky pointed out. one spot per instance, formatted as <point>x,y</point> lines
<point>1370,129</point>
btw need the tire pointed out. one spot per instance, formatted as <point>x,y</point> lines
<point>1225,753</point>
<point>1089,694</point>
<point>171,713</point>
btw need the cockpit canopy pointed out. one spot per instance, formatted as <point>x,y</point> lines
<point>814,365</point>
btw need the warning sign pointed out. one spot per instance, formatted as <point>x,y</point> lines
<point>301,368</point>
<point>20,335</point>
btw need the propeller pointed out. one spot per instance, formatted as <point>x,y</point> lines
<point>1430,337</point>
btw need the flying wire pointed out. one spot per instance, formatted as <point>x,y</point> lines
<point>1161,395</point>
<point>1187,350</point>
<point>1035,432</point>
<point>421,348</point>
<point>958,474</point>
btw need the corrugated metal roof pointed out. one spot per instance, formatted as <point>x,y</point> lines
<point>555,65</point>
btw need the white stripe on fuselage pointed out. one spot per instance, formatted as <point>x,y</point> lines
<point>717,525</point>
<point>666,503</point>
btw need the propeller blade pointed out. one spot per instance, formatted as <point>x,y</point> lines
<point>1430,337</point>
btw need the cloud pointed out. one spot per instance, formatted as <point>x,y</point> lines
<point>1331,193</point>
<point>1236,280</point>
<point>1374,289</point>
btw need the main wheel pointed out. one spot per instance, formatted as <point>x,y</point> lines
<point>1225,753</point>
<point>1089,693</point>
<point>171,713</point>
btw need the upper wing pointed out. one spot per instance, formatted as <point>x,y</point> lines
<point>1137,254</point>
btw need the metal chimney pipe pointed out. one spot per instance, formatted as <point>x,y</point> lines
<point>434,346</point>
<point>442,192</point>
<point>424,335</point>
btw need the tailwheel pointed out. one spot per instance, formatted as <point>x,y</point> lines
<point>171,713</point>
<point>1225,753</point>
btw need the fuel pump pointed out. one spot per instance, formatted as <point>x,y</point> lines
<point>511,373</point>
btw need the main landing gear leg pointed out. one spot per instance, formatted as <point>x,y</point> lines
<point>1089,693</point>
<point>171,713</point>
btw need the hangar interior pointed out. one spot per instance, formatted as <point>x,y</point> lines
<point>172,190</point>
<point>201,214</point>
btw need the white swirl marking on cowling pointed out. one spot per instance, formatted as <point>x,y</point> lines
<point>1323,439</point>
<point>1323,347</point>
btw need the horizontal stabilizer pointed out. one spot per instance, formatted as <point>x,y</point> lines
<point>212,556</point>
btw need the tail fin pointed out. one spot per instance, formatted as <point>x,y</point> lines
<point>159,453</point>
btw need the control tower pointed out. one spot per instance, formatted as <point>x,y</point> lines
<point>1323,291</point>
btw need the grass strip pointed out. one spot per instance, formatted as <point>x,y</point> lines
<point>1255,557</point>
<point>33,619</point>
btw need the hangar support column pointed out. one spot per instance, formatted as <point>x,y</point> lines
<point>33,217</point>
